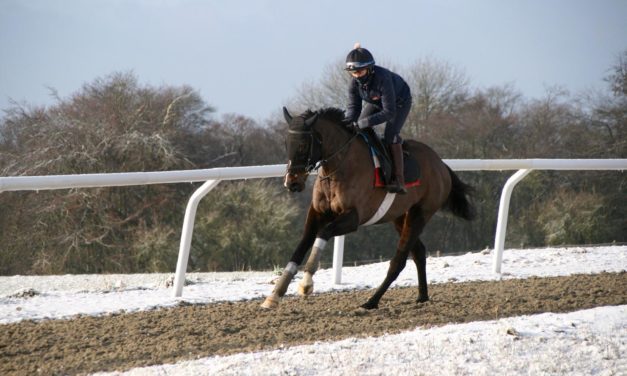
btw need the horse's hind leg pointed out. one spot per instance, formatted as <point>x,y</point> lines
<point>419,254</point>
<point>410,229</point>
<point>397,264</point>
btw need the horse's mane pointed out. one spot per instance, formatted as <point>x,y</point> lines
<point>332,114</point>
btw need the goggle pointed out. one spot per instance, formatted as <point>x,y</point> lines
<point>353,66</point>
<point>358,72</point>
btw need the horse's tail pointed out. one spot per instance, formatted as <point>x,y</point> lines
<point>458,200</point>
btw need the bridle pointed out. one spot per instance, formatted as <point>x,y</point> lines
<point>314,149</point>
<point>314,159</point>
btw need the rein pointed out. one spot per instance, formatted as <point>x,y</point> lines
<point>335,154</point>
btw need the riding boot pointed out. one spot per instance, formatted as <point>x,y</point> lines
<point>398,182</point>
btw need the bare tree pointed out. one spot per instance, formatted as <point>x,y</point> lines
<point>437,87</point>
<point>112,125</point>
<point>610,112</point>
<point>617,79</point>
<point>329,91</point>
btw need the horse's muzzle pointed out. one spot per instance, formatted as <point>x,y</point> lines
<point>295,182</point>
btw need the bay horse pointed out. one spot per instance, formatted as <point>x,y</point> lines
<point>344,198</point>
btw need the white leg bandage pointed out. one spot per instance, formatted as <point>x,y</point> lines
<point>314,257</point>
<point>283,282</point>
<point>320,243</point>
<point>291,268</point>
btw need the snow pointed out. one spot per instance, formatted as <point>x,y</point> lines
<point>589,342</point>
<point>54,297</point>
<point>586,342</point>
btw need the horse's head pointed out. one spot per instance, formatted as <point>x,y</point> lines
<point>303,149</point>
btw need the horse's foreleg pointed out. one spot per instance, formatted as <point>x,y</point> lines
<point>343,224</point>
<point>305,287</point>
<point>312,224</point>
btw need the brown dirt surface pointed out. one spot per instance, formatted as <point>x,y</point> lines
<point>121,341</point>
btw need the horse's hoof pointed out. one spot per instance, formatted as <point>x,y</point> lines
<point>369,305</point>
<point>305,287</point>
<point>361,311</point>
<point>422,299</point>
<point>305,290</point>
<point>270,303</point>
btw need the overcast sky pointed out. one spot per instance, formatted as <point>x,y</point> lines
<point>250,56</point>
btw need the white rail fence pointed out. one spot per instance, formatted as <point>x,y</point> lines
<point>212,177</point>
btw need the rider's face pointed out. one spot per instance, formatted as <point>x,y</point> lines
<point>359,73</point>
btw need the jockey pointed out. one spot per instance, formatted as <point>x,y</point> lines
<point>388,100</point>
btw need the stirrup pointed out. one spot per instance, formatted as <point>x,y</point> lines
<point>396,188</point>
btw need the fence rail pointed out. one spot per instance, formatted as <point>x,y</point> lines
<point>213,176</point>
<point>35,183</point>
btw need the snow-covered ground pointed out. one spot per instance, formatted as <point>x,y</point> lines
<point>26,297</point>
<point>585,342</point>
<point>590,342</point>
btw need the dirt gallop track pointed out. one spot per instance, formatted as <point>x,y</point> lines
<point>123,341</point>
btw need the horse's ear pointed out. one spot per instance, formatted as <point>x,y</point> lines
<point>309,122</point>
<point>287,115</point>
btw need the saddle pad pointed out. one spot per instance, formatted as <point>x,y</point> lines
<point>411,171</point>
<point>383,162</point>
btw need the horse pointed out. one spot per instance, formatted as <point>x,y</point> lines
<point>345,198</point>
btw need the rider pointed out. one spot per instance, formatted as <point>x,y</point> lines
<point>388,100</point>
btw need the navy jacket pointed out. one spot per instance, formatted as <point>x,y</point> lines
<point>385,89</point>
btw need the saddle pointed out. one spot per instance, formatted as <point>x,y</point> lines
<point>382,162</point>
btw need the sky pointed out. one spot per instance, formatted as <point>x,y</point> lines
<point>251,56</point>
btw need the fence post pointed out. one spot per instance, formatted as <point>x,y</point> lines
<point>338,258</point>
<point>186,234</point>
<point>501,224</point>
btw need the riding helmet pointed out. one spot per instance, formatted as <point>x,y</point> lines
<point>359,58</point>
